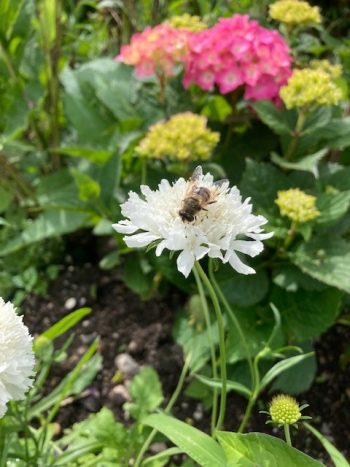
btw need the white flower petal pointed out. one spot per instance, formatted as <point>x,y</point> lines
<point>125,227</point>
<point>238,265</point>
<point>140,240</point>
<point>185,262</point>
<point>251,248</point>
<point>16,357</point>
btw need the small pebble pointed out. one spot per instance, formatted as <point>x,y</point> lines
<point>119,394</point>
<point>155,448</point>
<point>127,365</point>
<point>70,303</point>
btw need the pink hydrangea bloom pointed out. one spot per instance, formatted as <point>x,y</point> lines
<point>156,50</point>
<point>238,51</point>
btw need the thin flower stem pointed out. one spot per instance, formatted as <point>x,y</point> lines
<point>167,409</point>
<point>234,319</point>
<point>287,434</point>
<point>143,171</point>
<point>212,347</point>
<point>253,397</point>
<point>293,142</point>
<point>223,373</point>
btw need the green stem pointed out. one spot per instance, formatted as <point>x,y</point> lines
<point>287,434</point>
<point>3,444</point>
<point>234,319</point>
<point>143,170</point>
<point>223,373</point>
<point>168,408</point>
<point>253,397</point>
<point>296,135</point>
<point>6,59</point>
<point>212,347</point>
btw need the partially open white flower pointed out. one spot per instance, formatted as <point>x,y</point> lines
<point>219,231</point>
<point>16,356</point>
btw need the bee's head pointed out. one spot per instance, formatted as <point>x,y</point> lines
<point>186,216</point>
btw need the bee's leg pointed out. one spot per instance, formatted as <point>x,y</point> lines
<point>212,202</point>
<point>203,209</point>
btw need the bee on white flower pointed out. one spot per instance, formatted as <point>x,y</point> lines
<point>218,226</point>
<point>16,356</point>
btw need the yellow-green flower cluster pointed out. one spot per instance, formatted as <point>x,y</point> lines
<point>297,205</point>
<point>188,22</point>
<point>184,136</point>
<point>284,410</point>
<point>334,71</point>
<point>294,12</point>
<point>309,87</point>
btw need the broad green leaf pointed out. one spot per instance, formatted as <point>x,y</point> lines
<point>290,278</point>
<point>47,225</point>
<point>88,188</point>
<point>281,121</point>
<point>261,182</point>
<point>319,118</point>
<point>308,163</point>
<point>332,206</point>
<point>299,377</point>
<point>98,156</point>
<point>110,260</point>
<point>257,449</point>
<point>66,323</point>
<point>282,366</point>
<point>326,259</point>
<point>217,383</point>
<point>135,278</point>
<point>257,325</point>
<point>337,133</point>
<point>306,314</point>
<point>58,191</point>
<point>336,456</point>
<point>242,290</point>
<point>146,393</point>
<point>196,444</point>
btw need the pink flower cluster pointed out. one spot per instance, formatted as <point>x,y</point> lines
<point>238,51</point>
<point>156,50</point>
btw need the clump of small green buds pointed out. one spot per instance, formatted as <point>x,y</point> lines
<point>310,87</point>
<point>183,137</point>
<point>188,22</point>
<point>298,206</point>
<point>295,12</point>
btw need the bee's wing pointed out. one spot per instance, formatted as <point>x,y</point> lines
<point>197,173</point>
<point>219,183</point>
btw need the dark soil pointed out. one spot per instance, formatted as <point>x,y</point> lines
<point>144,330</point>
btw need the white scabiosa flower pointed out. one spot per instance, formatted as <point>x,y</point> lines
<point>16,356</point>
<point>224,227</point>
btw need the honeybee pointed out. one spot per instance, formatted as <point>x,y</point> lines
<point>197,197</point>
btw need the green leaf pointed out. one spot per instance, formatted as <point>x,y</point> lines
<point>231,385</point>
<point>290,278</point>
<point>281,121</point>
<point>47,225</point>
<point>336,456</point>
<point>66,323</point>
<point>87,186</point>
<point>242,290</point>
<point>196,444</point>
<point>327,259</point>
<point>282,366</point>
<point>307,164</point>
<point>98,156</point>
<point>261,182</point>
<point>306,314</point>
<point>332,206</point>
<point>257,325</point>
<point>135,278</point>
<point>299,377</point>
<point>257,449</point>
<point>337,133</point>
<point>110,260</point>
<point>146,393</point>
